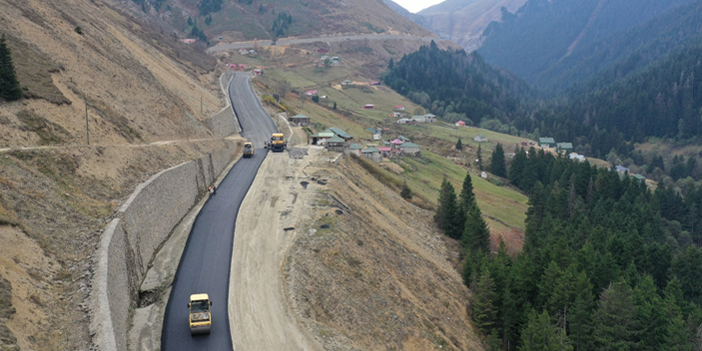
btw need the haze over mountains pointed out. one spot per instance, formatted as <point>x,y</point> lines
<point>461,21</point>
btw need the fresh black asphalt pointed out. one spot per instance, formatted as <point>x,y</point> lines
<point>204,266</point>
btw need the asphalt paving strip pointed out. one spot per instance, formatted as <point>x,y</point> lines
<point>205,264</point>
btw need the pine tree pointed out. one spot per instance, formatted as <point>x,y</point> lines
<point>459,144</point>
<point>517,168</point>
<point>484,309</point>
<point>540,334</point>
<point>480,158</point>
<point>615,321</point>
<point>391,64</point>
<point>579,322</point>
<point>406,192</point>
<point>497,162</point>
<point>9,85</point>
<point>651,314</point>
<point>445,215</point>
<point>466,197</point>
<point>476,235</point>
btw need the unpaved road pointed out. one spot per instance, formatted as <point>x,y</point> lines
<point>291,41</point>
<point>260,317</point>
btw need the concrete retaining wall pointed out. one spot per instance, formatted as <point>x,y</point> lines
<point>130,241</point>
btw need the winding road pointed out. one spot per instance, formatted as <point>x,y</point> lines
<point>205,264</point>
<point>291,41</point>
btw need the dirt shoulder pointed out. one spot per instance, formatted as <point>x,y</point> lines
<point>259,315</point>
<point>326,258</point>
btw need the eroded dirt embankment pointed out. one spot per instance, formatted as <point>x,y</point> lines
<point>327,258</point>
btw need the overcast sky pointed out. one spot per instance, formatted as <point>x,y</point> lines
<point>415,6</point>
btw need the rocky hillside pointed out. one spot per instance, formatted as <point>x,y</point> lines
<point>265,19</point>
<point>141,86</point>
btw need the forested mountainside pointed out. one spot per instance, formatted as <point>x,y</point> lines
<point>542,33</point>
<point>604,61</point>
<point>605,262</point>
<point>458,86</point>
<point>658,101</point>
<point>237,20</point>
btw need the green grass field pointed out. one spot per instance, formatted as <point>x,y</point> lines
<point>503,207</point>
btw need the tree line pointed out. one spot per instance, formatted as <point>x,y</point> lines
<point>607,264</point>
<point>600,120</point>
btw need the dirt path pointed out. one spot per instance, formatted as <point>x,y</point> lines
<point>260,318</point>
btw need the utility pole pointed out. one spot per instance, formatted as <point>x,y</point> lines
<point>200,105</point>
<point>87,127</point>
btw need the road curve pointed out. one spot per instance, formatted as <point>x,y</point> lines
<point>292,41</point>
<point>205,264</point>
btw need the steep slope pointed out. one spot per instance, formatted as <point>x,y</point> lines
<point>248,20</point>
<point>543,32</point>
<point>621,54</point>
<point>141,86</point>
<point>463,21</point>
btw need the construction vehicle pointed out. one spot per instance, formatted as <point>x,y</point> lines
<point>248,150</point>
<point>277,143</point>
<point>200,314</point>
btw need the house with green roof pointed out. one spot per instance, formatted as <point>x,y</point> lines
<point>564,147</point>
<point>547,142</point>
<point>372,153</point>
<point>355,149</point>
<point>299,120</point>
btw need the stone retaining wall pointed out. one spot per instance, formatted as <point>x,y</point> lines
<point>130,241</point>
<point>225,122</point>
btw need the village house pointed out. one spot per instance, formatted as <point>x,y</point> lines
<point>404,138</point>
<point>460,124</point>
<point>385,151</point>
<point>480,138</point>
<point>299,120</point>
<point>621,169</point>
<point>369,106</point>
<point>547,142</point>
<point>337,144</point>
<point>428,118</point>
<point>372,153</point>
<point>405,121</point>
<point>243,52</point>
<point>355,149</point>
<point>399,108</point>
<point>574,156</point>
<point>346,82</point>
<point>258,72</point>
<point>565,147</point>
<point>410,149</point>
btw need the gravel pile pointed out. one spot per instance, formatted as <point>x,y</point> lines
<point>297,153</point>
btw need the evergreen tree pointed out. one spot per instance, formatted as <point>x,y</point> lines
<point>445,215</point>
<point>615,321</point>
<point>497,162</point>
<point>651,314</point>
<point>480,158</point>
<point>579,322</point>
<point>539,334</point>
<point>466,197</point>
<point>9,85</point>
<point>391,64</point>
<point>406,192</point>
<point>484,309</point>
<point>518,168</point>
<point>476,235</point>
<point>459,144</point>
